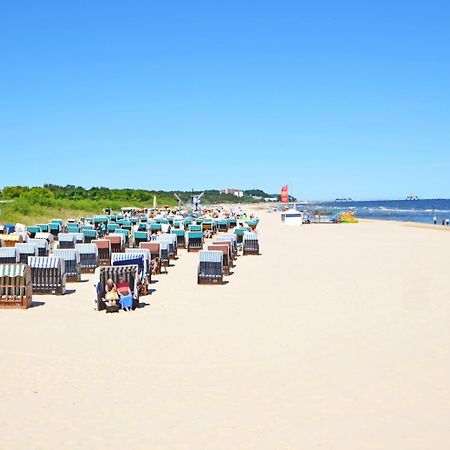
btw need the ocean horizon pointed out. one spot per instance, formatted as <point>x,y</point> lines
<point>421,211</point>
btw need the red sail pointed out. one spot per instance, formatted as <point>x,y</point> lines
<point>284,194</point>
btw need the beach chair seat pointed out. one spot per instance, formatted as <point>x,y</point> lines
<point>194,241</point>
<point>102,274</point>
<point>16,289</point>
<point>89,235</point>
<point>210,267</point>
<point>250,244</point>
<point>72,266</point>
<point>8,255</point>
<point>88,257</point>
<point>26,250</point>
<point>47,274</point>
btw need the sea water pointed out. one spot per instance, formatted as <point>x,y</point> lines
<point>422,211</point>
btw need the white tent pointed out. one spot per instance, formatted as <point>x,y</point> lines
<point>292,217</point>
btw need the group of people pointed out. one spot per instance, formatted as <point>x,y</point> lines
<point>119,293</point>
<point>444,221</point>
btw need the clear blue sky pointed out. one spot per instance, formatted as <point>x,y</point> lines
<point>345,98</point>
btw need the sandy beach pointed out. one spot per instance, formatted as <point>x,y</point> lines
<point>335,337</point>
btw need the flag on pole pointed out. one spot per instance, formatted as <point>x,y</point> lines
<point>284,194</point>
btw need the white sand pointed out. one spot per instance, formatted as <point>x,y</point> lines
<point>336,337</point>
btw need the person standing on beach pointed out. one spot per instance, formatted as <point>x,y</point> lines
<point>443,221</point>
<point>435,220</point>
<point>447,221</point>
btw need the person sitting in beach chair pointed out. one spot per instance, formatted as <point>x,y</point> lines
<point>124,291</point>
<point>156,266</point>
<point>111,296</point>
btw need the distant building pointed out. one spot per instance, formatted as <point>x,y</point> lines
<point>236,192</point>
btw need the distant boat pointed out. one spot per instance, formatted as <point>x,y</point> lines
<point>338,200</point>
<point>412,198</point>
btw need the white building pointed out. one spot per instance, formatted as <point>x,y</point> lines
<point>235,192</point>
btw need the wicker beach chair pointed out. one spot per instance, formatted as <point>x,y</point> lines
<point>90,235</point>
<point>10,240</point>
<point>222,225</point>
<point>72,266</point>
<point>171,239</point>
<point>26,250</point>
<point>42,245</point>
<point>33,230</point>
<point>130,259</point>
<point>102,274</point>
<point>8,255</point>
<point>250,244</point>
<point>66,240</point>
<point>88,257</point>
<point>138,237</point>
<point>180,235</point>
<point>145,253</point>
<point>54,228</point>
<point>155,251</point>
<point>117,242</point>
<point>225,248</point>
<point>194,241</point>
<point>47,274</point>
<point>16,289</point>
<point>104,251</point>
<point>210,267</point>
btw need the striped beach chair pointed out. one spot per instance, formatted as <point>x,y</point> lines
<point>42,245</point>
<point>145,253</point>
<point>72,267</point>
<point>79,237</point>
<point>16,289</point>
<point>102,274</point>
<point>104,251</point>
<point>88,257</point>
<point>130,259</point>
<point>228,237</point>
<point>171,239</point>
<point>250,244</point>
<point>66,240</point>
<point>210,267</point>
<point>8,255</point>
<point>26,250</point>
<point>47,274</point>
<point>194,241</point>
